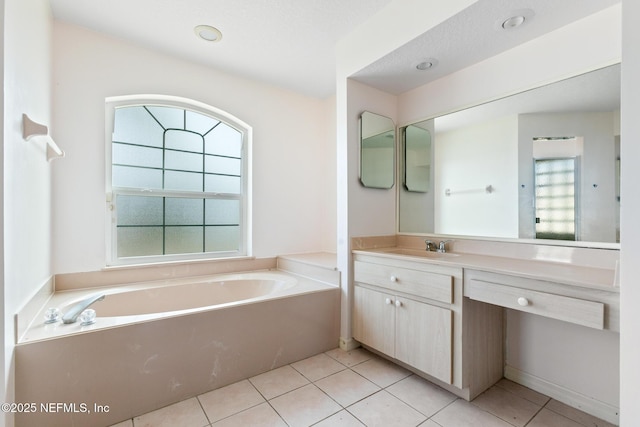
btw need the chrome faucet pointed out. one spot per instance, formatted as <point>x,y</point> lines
<point>72,314</point>
<point>442,246</point>
<point>430,245</point>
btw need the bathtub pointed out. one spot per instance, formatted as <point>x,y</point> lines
<point>157,343</point>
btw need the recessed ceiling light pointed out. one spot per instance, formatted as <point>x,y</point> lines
<point>513,22</point>
<point>208,33</point>
<point>427,64</point>
<point>514,19</point>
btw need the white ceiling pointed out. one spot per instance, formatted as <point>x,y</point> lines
<point>290,43</point>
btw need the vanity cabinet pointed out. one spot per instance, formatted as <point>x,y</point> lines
<point>412,332</point>
<point>414,313</point>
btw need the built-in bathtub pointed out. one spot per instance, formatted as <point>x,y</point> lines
<point>157,343</point>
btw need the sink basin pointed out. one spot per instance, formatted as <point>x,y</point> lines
<point>420,253</point>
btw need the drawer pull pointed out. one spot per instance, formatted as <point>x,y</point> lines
<point>523,301</point>
<point>398,303</point>
<point>388,301</point>
<point>393,279</point>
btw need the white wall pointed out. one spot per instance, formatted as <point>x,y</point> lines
<point>585,45</point>
<point>466,161</point>
<point>293,149</point>
<point>630,212</point>
<point>361,47</point>
<point>27,175</point>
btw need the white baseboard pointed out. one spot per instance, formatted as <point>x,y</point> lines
<point>572,398</point>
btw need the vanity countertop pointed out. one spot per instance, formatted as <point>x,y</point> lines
<point>559,272</point>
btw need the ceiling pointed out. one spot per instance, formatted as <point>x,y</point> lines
<point>472,35</point>
<point>291,43</point>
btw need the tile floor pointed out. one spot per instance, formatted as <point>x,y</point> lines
<point>357,388</point>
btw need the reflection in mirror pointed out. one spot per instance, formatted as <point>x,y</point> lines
<point>520,147</point>
<point>377,151</point>
<point>417,158</point>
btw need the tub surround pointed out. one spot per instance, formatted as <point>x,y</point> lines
<point>318,265</point>
<point>139,364</point>
<point>111,276</point>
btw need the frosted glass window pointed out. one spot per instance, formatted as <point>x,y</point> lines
<point>555,182</point>
<point>220,212</point>
<point>183,140</point>
<point>140,241</point>
<point>177,177</point>
<point>168,117</point>
<point>183,240</point>
<point>136,155</point>
<point>224,141</point>
<point>133,177</point>
<point>222,165</point>
<point>222,184</point>
<point>225,238</point>
<point>181,211</point>
<point>186,181</point>
<point>137,210</point>
<point>200,123</point>
<point>136,126</point>
<point>180,160</point>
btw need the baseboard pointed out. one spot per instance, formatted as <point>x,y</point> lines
<point>572,398</point>
<point>348,344</point>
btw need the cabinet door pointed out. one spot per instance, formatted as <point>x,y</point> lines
<point>423,337</point>
<point>374,319</point>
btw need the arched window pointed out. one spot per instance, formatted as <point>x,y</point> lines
<point>177,181</point>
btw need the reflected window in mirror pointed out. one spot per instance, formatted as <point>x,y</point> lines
<point>377,151</point>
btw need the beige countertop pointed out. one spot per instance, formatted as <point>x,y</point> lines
<point>559,272</point>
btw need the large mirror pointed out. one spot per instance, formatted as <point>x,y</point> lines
<point>377,151</point>
<point>542,164</point>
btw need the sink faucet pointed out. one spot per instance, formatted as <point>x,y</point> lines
<point>72,314</point>
<point>430,245</point>
<point>442,246</point>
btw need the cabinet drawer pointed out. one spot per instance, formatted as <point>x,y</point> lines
<point>438,287</point>
<point>574,310</point>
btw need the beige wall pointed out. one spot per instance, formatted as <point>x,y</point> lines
<point>293,150</point>
<point>27,175</point>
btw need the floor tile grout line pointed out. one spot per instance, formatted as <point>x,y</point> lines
<point>535,415</point>
<point>203,411</point>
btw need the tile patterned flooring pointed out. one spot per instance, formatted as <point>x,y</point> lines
<point>358,388</point>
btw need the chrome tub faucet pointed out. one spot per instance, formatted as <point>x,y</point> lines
<point>72,314</point>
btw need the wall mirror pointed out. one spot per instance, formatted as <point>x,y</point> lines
<point>542,164</point>
<point>416,161</point>
<point>377,150</point>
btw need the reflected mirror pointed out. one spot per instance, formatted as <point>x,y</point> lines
<point>377,151</point>
<point>542,164</point>
<point>417,158</point>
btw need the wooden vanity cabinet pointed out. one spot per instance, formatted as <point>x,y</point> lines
<point>414,313</point>
<point>412,332</point>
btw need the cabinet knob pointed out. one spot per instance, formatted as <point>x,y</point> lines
<point>393,279</point>
<point>523,301</point>
<point>398,303</point>
<point>388,301</point>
